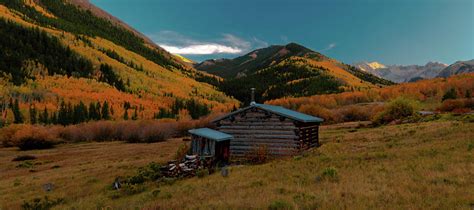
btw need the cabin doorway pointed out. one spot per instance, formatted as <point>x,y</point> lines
<point>223,152</point>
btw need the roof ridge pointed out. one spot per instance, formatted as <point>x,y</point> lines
<point>279,110</point>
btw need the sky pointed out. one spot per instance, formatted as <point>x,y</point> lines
<point>388,31</point>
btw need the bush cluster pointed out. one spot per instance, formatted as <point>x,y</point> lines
<point>41,203</point>
<point>396,109</point>
<point>28,137</point>
<point>347,113</point>
<point>457,105</point>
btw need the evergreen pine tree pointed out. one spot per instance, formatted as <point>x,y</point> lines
<point>18,117</point>
<point>135,114</point>
<point>105,111</point>
<point>43,117</point>
<point>62,117</point>
<point>69,114</point>
<point>33,114</point>
<point>80,113</point>
<point>92,111</point>
<point>53,119</point>
<point>450,94</point>
<point>125,115</point>
<point>98,108</point>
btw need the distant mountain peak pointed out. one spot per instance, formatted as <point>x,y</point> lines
<point>460,67</point>
<point>376,65</point>
<point>402,73</point>
<point>369,66</point>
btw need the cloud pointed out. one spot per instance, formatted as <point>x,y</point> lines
<point>202,49</point>
<point>227,44</point>
<point>329,47</point>
<point>236,41</point>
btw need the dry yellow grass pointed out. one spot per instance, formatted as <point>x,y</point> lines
<point>340,73</point>
<point>38,8</point>
<point>80,173</point>
<point>411,166</point>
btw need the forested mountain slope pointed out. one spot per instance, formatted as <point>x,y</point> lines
<point>53,52</point>
<point>287,71</point>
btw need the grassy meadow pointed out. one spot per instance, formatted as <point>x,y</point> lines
<point>426,165</point>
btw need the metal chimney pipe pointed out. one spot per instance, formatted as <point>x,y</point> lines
<point>252,101</point>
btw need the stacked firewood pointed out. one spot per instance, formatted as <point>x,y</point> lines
<point>185,168</point>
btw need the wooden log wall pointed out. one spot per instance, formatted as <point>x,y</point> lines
<point>255,128</point>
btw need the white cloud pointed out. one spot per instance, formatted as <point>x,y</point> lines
<point>202,49</point>
<point>236,41</point>
<point>329,47</point>
<point>228,44</point>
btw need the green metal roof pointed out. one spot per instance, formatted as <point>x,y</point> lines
<point>211,134</point>
<point>278,110</point>
<point>298,116</point>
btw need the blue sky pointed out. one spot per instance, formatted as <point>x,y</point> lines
<point>388,31</point>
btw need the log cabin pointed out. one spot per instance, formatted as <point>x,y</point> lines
<point>277,130</point>
<point>280,131</point>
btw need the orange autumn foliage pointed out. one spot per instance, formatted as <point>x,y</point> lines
<point>361,105</point>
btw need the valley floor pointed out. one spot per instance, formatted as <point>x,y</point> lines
<point>410,166</point>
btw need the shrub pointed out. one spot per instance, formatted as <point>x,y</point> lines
<point>201,173</point>
<point>330,174</point>
<point>25,164</point>
<point>353,113</point>
<point>457,104</point>
<point>132,189</point>
<point>151,172</point>
<point>147,131</point>
<point>24,157</point>
<point>34,137</point>
<point>450,94</point>
<point>7,133</point>
<point>279,205</point>
<point>41,204</point>
<point>182,151</point>
<point>31,143</point>
<point>316,110</point>
<point>397,109</point>
<point>468,118</point>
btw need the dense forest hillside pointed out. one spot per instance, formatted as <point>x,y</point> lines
<point>55,56</point>
<point>290,70</point>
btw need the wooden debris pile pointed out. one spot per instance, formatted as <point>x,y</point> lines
<point>186,168</point>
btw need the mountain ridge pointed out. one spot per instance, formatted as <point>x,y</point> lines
<point>403,73</point>
<point>287,70</point>
<point>459,67</point>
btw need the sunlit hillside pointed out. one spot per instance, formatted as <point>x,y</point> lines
<point>287,71</point>
<point>134,74</point>
<point>440,94</point>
